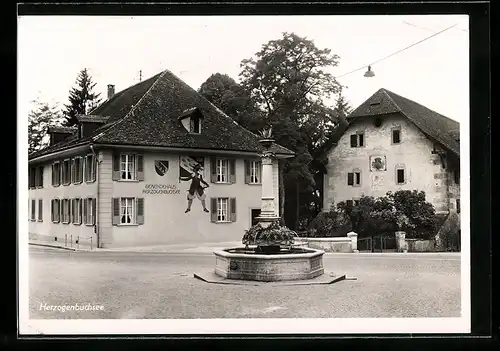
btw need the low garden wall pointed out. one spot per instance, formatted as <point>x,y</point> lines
<point>334,244</point>
<point>416,245</point>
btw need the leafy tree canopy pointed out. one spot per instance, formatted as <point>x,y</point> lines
<point>41,116</point>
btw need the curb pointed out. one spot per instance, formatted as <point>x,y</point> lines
<point>54,246</point>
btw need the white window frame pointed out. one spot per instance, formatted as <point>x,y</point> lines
<point>78,205</point>
<point>89,219</point>
<point>90,176</point>
<point>223,215</point>
<point>65,220</point>
<point>222,170</point>
<point>255,172</point>
<point>58,212</point>
<point>78,176</point>
<point>124,166</point>
<point>66,173</point>
<point>127,207</point>
<point>59,165</point>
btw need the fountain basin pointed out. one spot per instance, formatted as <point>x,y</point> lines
<point>243,264</point>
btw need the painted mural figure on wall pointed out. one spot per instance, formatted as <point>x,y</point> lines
<point>197,188</point>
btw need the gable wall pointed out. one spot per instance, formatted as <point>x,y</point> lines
<point>423,169</point>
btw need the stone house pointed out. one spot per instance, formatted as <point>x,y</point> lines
<point>391,143</point>
<point>122,176</point>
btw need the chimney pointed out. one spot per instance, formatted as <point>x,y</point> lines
<point>111,91</point>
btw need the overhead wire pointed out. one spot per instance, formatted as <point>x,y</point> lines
<point>397,52</point>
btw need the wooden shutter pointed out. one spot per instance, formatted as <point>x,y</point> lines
<point>94,211</point>
<point>85,177</point>
<point>41,176</point>
<point>350,178</point>
<point>53,175</point>
<point>115,210</point>
<point>361,137</point>
<point>213,209</point>
<point>72,211</point>
<point>116,166</point>
<point>140,211</point>
<point>85,208</point>
<point>140,167</point>
<point>354,140</point>
<point>73,170</point>
<point>213,169</point>
<point>247,172</point>
<point>232,209</point>
<point>93,168</point>
<point>232,170</point>
<point>80,170</point>
<point>40,210</point>
<point>80,205</point>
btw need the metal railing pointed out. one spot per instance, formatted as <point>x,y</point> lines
<point>66,240</point>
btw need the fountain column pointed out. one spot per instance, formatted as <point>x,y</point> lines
<point>268,205</point>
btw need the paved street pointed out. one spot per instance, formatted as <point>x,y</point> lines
<point>161,285</point>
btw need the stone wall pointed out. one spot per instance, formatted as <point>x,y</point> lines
<point>338,244</point>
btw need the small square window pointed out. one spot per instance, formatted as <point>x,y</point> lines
<point>400,175</point>
<point>396,136</point>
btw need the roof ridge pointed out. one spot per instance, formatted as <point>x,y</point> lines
<point>386,92</point>
<point>129,113</point>
<point>212,104</point>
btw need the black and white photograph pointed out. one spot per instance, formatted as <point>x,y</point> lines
<point>244,174</point>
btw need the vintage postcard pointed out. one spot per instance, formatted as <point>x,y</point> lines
<point>243,174</point>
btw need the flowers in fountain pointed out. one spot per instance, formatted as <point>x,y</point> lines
<point>271,236</point>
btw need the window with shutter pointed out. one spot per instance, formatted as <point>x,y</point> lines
<point>56,173</point>
<point>85,211</point>
<point>40,210</point>
<point>213,209</point>
<point>213,169</point>
<point>361,139</point>
<point>116,166</point>
<point>247,171</point>
<point>354,140</point>
<point>94,210</point>
<point>40,179</point>
<point>115,210</point>
<point>127,167</point>
<point>357,177</point>
<point>140,211</point>
<point>350,178</point>
<point>33,209</point>
<point>140,167</point>
<point>232,171</point>
<point>232,208</point>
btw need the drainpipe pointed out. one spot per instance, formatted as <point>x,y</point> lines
<point>96,226</point>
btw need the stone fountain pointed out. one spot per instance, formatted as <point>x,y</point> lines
<point>269,254</point>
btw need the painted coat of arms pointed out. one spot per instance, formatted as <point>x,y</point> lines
<point>161,167</point>
<point>377,163</point>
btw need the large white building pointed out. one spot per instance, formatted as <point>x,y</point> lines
<point>122,176</point>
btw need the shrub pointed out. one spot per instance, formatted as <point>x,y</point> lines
<point>333,223</point>
<point>403,210</point>
<point>420,213</point>
<point>273,235</point>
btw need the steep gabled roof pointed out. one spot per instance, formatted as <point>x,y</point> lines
<point>436,126</point>
<point>146,114</point>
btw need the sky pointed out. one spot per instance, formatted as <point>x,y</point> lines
<point>53,49</point>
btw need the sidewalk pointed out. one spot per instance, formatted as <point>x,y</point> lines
<point>173,248</point>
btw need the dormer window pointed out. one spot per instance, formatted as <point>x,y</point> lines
<point>191,120</point>
<point>194,125</point>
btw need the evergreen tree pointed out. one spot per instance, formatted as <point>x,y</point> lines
<point>82,99</point>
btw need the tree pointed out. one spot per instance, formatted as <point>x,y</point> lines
<point>41,116</point>
<point>225,93</point>
<point>82,99</point>
<point>289,83</point>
